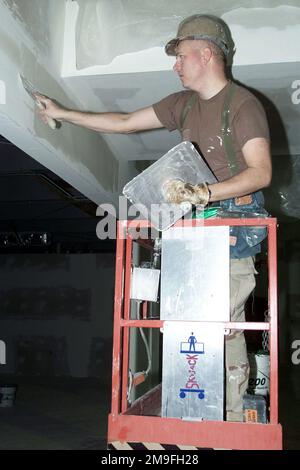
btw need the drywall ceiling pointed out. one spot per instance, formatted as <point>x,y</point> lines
<point>114,60</point>
<point>108,30</point>
<point>71,153</point>
<point>122,75</point>
<point>50,192</point>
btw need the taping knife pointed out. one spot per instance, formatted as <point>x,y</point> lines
<point>31,92</point>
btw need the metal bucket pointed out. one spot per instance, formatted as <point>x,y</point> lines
<point>7,395</point>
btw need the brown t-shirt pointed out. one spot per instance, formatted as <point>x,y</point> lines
<point>203,124</point>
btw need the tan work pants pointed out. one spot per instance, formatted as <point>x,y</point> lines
<point>242,283</point>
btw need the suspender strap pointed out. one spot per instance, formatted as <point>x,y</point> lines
<point>227,132</point>
<point>186,109</point>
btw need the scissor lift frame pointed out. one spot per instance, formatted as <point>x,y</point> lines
<point>125,424</point>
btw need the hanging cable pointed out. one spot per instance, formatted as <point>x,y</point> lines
<point>139,377</point>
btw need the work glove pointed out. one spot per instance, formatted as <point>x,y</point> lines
<point>177,191</point>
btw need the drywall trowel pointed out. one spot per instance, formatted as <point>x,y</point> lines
<point>32,91</point>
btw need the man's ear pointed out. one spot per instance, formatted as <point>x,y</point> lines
<point>207,54</point>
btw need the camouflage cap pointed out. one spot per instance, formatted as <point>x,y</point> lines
<point>203,27</point>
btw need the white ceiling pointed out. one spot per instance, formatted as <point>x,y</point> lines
<point>267,60</point>
<point>134,78</point>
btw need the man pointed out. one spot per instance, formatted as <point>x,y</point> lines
<point>228,125</point>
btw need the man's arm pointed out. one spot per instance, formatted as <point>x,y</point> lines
<point>122,123</point>
<point>257,176</point>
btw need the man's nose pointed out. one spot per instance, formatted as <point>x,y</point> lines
<point>176,66</point>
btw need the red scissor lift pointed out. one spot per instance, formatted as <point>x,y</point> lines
<point>135,424</point>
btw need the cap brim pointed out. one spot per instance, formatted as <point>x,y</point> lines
<point>170,48</point>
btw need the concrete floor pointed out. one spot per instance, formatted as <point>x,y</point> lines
<point>55,413</point>
<point>70,414</point>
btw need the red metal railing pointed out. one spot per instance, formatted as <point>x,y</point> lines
<point>252,437</point>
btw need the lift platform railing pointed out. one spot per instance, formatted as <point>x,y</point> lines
<point>242,435</point>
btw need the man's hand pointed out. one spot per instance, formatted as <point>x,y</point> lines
<point>49,109</point>
<point>176,191</point>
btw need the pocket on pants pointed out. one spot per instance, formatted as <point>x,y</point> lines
<point>241,286</point>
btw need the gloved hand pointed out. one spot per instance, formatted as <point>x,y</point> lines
<point>177,191</point>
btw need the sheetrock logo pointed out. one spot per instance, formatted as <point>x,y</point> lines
<point>2,353</point>
<point>191,349</point>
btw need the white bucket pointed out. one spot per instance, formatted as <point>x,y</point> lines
<point>7,395</point>
<point>259,379</point>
